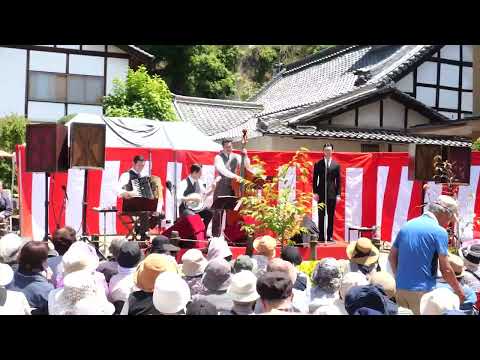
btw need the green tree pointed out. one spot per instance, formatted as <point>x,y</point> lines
<point>476,145</point>
<point>141,95</point>
<point>12,132</point>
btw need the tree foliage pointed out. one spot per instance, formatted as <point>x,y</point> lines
<point>141,95</point>
<point>12,132</point>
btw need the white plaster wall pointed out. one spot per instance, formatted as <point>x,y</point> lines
<point>415,118</point>
<point>448,99</point>
<point>86,65</point>
<point>116,68</point>
<point>344,119</point>
<point>114,49</point>
<point>427,73</point>
<point>88,109</point>
<point>45,111</point>
<point>406,83</point>
<point>393,114</point>
<point>426,95</point>
<point>74,47</point>
<point>94,47</point>
<point>369,115</point>
<point>48,61</point>
<point>451,52</point>
<point>13,65</point>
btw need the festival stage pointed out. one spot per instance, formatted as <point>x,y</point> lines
<point>336,250</point>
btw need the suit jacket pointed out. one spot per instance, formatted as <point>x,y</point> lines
<point>333,179</point>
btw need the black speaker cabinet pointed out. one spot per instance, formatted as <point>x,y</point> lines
<point>47,148</point>
<point>87,146</point>
<point>421,164</point>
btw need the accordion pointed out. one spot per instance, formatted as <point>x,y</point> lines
<point>147,187</point>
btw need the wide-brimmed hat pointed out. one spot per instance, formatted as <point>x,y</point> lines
<point>217,275</point>
<point>363,252</point>
<point>148,270</point>
<point>265,245</point>
<point>193,263</point>
<point>129,255</point>
<point>351,279</point>
<point>386,280</point>
<point>243,287</point>
<point>438,301</point>
<point>457,265</point>
<point>327,275</point>
<point>79,296</point>
<point>243,262</point>
<point>162,243</point>
<point>80,256</point>
<point>218,248</point>
<point>6,274</point>
<point>171,293</point>
<point>10,246</point>
<point>471,255</point>
<point>371,297</point>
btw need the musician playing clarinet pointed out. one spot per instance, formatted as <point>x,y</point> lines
<point>226,164</point>
<point>193,189</point>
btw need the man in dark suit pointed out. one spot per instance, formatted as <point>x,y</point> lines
<point>332,169</point>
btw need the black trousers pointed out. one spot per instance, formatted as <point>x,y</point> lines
<point>331,204</point>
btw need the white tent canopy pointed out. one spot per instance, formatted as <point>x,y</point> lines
<point>135,132</point>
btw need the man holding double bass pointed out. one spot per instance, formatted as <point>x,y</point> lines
<point>226,164</point>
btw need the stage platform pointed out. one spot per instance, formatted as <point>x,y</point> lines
<point>336,250</point>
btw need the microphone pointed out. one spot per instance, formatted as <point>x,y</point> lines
<point>65,191</point>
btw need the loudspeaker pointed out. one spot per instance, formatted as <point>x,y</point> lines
<point>421,164</point>
<point>87,146</point>
<point>47,148</point>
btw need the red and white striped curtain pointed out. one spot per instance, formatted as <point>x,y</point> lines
<point>375,189</point>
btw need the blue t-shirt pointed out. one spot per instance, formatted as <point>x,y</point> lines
<point>419,242</point>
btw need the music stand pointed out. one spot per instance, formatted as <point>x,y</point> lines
<point>139,204</point>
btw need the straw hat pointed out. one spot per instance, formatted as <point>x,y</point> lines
<point>386,280</point>
<point>457,265</point>
<point>148,270</point>
<point>80,256</point>
<point>265,245</point>
<point>438,301</point>
<point>363,252</point>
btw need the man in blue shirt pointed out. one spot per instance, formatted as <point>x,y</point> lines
<point>421,245</point>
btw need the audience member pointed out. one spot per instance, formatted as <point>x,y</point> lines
<point>387,282</point>
<point>218,248</point>
<point>439,301</point>
<point>110,267</point>
<point>81,256</point>
<point>265,246</point>
<point>62,240</point>
<point>456,263</point>
<point>11,302</point>
<point>422,244</point>
<point>79,296</point>
<point>121,284</point>
<point>243,292</point>
<point>369,300</point>
<point>471,259</point>
<point>201,307</point>
<point>363,256</point>
<point>327,279</point>
<point>243,262</point>
<point>215,281</point>
<point>10,246</point>
<point>292,255</point>
<point>171,294</point>
<point>140,302</point>
<point>29,278</point>
<point>162,245</point>
<point>275,290</point>
<point>193,268</point>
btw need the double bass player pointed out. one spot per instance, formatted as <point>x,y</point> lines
<point>226,164</point>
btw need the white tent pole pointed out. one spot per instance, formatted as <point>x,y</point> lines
<point>174,185</point>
